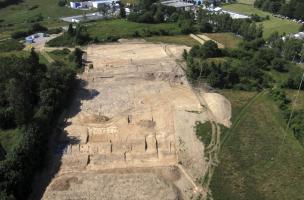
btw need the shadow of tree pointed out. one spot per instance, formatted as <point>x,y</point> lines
<point>60,140</point>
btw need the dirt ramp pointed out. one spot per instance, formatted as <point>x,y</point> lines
<point>220,107</point>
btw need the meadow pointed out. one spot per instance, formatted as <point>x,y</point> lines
<point>255,161</point>
<point>270,26</point>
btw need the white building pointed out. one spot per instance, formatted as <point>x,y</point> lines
<point>97,4</point>
<point>92,4</point>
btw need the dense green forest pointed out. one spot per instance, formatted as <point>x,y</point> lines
<point>31,98</point>
<point>293,8</point>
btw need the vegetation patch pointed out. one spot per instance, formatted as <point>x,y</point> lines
<point>204,132</point>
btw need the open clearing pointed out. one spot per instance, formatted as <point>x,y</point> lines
<point>270,26</point>
<point>130,132</point>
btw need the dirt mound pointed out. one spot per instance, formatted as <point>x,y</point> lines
<point>220,107</point>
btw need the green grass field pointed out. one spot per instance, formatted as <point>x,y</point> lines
<point>125,29</point>
<point>251,165</point>
<point>176,39</point>
<point>229,40</point>
<point>272,25</point>
<point>9,138</point>
<point>17,15</point>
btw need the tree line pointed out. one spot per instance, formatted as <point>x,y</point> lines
<point>296,124</point>
<point>293,8</point>
<point>31,98</point>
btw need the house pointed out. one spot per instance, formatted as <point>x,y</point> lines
<point>75,5</point>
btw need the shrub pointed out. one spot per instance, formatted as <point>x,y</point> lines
<point>35,18</point>
<point>19,34</point>
<point>54,31</point>
<point>37,28</point>
<point>62,3</point>
<point>33,7</point>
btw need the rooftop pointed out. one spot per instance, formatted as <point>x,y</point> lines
<point>176,3</point>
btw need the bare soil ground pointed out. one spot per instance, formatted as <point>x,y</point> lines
<point>130,131</point>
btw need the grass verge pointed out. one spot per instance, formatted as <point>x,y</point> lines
<point>176,39</point>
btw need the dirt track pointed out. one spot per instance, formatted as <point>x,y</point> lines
<point>129,133</point>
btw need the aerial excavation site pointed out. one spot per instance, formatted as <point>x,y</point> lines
<point>130,131</point>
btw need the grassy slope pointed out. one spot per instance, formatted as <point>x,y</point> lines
<point>123,28</point>
<point>250,167</point>
<point>18,14</point>
<point>229,40</point>
<point>177,39</point>
<point>274,24</point>
<point>9,138</point>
